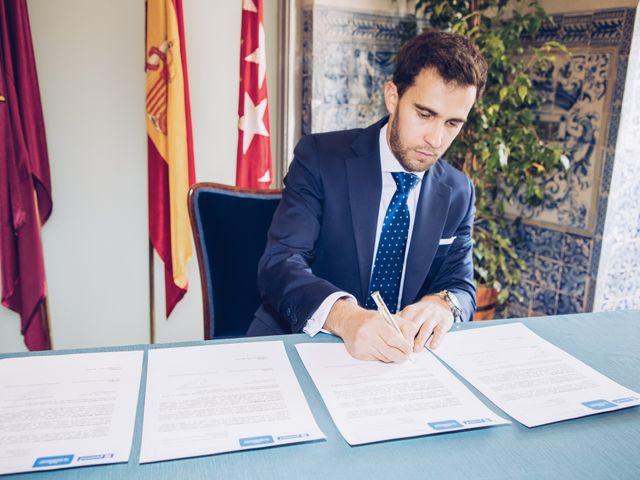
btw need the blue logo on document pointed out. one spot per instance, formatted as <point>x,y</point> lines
<point>255,441</point>
<point>445,425</point>
<point>599,404</point>
<point>88,458</point>
<point>624,400</point>
<point>291,437</point>
<point>475,421</point>
<point>53,461</point>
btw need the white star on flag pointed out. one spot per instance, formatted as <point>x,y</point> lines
<point>252,122</point>
<point>266,178</point>
<point>249,6</point>
<point>259,56</point>
<point>253,164</point>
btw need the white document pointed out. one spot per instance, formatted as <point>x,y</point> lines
<point>529,378</point>
<point>61,411</point>
<point>374,401</point>
<point>221,398</point>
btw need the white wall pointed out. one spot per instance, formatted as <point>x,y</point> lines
<point>92,85</point>
<point>90,60</point>
<point>90,57</point>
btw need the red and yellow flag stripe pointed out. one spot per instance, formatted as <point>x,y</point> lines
<point>170,144</point>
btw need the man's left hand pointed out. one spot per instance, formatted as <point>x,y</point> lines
<point>429,317</point>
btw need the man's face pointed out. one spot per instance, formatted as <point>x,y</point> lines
<point>426,119</point>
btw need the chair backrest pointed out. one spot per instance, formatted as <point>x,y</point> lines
<point>230,227</point>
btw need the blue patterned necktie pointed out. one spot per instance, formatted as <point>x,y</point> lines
<point>387,269</point>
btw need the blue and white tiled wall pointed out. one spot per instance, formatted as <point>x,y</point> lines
<point>347,57</point>
<point>618,284</point>
<point>563,239</point>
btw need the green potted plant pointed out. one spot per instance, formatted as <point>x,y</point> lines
<point>500,148</point>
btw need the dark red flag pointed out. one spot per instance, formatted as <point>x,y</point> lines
<point>254,143</point>
<point>25,182</point>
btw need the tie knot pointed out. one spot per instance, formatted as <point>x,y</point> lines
<point>405,181</point>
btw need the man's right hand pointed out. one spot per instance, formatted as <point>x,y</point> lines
<point>366,334</point>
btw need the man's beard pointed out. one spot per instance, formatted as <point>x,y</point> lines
<point>402,153</point>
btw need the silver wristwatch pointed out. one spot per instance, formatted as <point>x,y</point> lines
<point>454,304</point>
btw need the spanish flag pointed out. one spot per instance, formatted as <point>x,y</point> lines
<point>170,144</point>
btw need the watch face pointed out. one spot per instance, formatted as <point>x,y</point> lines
<point>454,301</point>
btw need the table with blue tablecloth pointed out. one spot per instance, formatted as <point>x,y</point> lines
<point>603,446</point>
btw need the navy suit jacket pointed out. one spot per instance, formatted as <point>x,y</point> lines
<point>323,233</point>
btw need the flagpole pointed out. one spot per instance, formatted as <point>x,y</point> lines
<point>152,314</point>
<point>280,163</point>
<point>45,312</point>
<point>44,306</point>
<point>152,332</point>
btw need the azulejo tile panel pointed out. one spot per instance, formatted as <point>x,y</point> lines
<point>558,262</point>
<point>578,92</point>
<point>544,300</point>
<point>348,55</point>
<point>569,304</point>
<point>618,285</point>
<point>548,272</point>
<point>576,250</point>
<point>544,242</point>
<point>573,281</point>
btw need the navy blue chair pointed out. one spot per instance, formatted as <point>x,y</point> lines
<point>230,227</point>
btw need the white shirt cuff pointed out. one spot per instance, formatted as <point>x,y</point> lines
<point>316,323</point>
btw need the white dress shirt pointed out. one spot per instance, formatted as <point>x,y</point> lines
<point>388,165</point>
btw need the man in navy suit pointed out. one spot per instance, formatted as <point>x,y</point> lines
<point>334,228</point>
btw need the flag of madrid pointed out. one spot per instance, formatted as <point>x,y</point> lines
<point>254,168</point>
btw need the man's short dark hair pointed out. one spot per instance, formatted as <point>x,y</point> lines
<point>453,56</point>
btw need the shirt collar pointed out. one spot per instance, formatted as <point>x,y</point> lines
<point>388,161</point>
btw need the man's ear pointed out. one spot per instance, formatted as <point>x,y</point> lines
<point>391,96</point>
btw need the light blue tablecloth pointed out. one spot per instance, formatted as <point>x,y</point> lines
<point>604,446</point>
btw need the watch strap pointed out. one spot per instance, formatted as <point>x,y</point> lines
<point>453,304</point>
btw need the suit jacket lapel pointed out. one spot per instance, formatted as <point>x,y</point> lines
<point>431,214</point>
<point>364,181</point>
